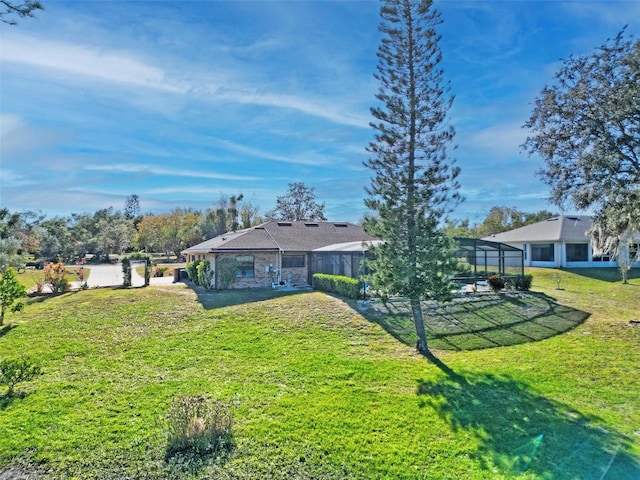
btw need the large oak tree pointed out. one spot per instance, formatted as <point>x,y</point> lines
<point>414,181</point>
<point>586,127</point>
<point>9,10</point>
<point>298,204</point>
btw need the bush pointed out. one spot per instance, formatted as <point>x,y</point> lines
<point>524,282</point>
<point>55,274</point>
<point>338,284</point>
<point>198,426</point>
<point>14,371</point>
<point>228,270</point>
<point>192,271</point>
<point>205,274</point>
<point>496,282</point>
<point>159,271</point>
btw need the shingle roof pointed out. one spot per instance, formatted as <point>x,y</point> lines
<point>554,229</point>
<point>284,236</point>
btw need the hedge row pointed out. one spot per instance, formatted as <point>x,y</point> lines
<point>338,284</point>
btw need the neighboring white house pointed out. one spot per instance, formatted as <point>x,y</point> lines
<point>563,241</point>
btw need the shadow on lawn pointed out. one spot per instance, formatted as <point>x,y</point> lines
<point>606,274</point>
<point>228,298</point>
<point>479,321</point>
<point>6,329</point>
<point>519,431</point>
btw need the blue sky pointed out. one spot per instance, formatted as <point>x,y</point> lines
<point>182,102</point>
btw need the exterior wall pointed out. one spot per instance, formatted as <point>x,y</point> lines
<point>560,257</point>
<point>263,276</point>
<point>297,275</point>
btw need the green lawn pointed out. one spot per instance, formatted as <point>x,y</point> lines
<point>322,390</point>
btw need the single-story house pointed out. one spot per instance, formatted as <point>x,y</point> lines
<point>286,253</point>
<point>563,242</point>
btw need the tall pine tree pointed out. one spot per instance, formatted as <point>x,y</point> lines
<point>414,184</point>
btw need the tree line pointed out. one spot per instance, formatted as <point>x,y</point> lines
<point>109,231</point>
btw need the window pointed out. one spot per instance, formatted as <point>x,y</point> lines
<point>634,251</point>
<point>293,261</point>
<point>245,266</point>
<point>542,252</point>
<point>577,252</point>
<point>605,257</point>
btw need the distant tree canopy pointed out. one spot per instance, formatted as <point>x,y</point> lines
<point>298,204</point>
<point>501,219</point>
<point>109,231</point>
<point>10,10</point>
<point>587,129</point>
<point>498,220</point>
<point>230,214</point>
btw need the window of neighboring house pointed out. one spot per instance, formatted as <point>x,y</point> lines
<point>634,251</point>
<point>605,257</point>
<point>246,266</point>
<point>577,252</point>
<point>542,252</point>
<point>293,261</point>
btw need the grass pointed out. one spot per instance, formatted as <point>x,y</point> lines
<point>323,391</point>
<point>29,278</point>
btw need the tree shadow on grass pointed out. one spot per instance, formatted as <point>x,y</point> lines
<point>606,274</point>
<point>479,321</point>
<point>519,431</point>
<point>7,399</point>
<point>6,329</point>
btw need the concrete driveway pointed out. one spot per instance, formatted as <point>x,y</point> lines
<point>105,276</point>
<point>112,276</point>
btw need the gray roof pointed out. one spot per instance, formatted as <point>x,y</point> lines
<point>284,236</point>
<point>561,228</point>
<point>359,246</point>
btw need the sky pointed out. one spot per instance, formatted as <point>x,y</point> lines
<point>181,103</point>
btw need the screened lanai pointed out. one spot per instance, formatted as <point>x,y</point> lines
<point>480,259</point>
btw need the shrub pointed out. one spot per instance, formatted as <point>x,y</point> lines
<point>159,271</point>
<point>198,426</point>
<point>524,282</point>
<point>192,271</point>
<point>55,274</point>
<point>14,371</point>
<point>496,282</point>
<point>228,269</point>
<point>205,274</point>
<point>338,284</point>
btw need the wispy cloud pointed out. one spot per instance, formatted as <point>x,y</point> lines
<point>169,172</point>
<point>126,69</point>
<point>97,64</point>
<point>503,140</point>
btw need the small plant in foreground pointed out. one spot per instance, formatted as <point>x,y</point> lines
<point>198,426</point>
<point>15,371</point>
